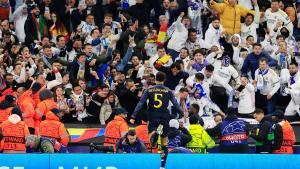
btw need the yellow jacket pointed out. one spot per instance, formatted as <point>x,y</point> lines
<point>230,16</point>
<point>200,139</point>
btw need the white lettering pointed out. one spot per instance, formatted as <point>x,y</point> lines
<point>4,167</point>
<point>111,167</point>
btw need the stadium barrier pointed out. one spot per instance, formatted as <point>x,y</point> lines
<point>147,161</point>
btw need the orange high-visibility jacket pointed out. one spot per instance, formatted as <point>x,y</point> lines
<point>115,130</point>
<point>54,129</point>
<point>14,135</point>
<point>5,113</point>
<point>27,106</point>
<point>288,139</point>
<point>41,109</point>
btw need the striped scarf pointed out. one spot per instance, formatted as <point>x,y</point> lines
<point>41,26</point>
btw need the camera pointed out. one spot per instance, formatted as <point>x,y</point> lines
<point>101,148</point>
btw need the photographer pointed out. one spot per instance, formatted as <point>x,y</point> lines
<point>131,144</point>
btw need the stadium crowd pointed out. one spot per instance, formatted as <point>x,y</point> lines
<point>98,61</point>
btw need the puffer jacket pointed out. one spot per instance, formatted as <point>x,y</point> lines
<point>230,16</point>
<point>107,109</point>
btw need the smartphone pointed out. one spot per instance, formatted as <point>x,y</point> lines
<point>116,31</point>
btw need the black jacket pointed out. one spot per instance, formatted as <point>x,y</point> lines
<point>74,71</point>
<point>30,28</point>
<point>128,100</point>
<point>140,12</point>
<point>182,134</point>
<point>261,136</point>
<point>172,81</point>
<point>217,132</point>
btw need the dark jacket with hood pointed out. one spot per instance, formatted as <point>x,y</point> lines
<point>178,137</point>
<point>218,132</point>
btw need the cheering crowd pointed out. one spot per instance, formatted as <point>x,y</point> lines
<point>92,61</point>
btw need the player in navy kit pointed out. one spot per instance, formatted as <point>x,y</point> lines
<point>158,98</point>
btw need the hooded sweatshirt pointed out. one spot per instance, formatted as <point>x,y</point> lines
<point>212,35</point>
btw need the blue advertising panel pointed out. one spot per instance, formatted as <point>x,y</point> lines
<point>232,161</point>
<point>24,161</point>
<point>147,161</point>
<point>104,161</point>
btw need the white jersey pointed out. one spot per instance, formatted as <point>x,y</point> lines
<point>226,73</point>
<point>294,105</point>
<point>273,17</point>
<point>250,29</point>
<point>206,105</point>
<point>247,100</point>
<point>267,81</point>
<point>208,82</point>
<point>179,36</point>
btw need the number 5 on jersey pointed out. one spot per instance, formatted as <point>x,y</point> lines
<point>157,98</point>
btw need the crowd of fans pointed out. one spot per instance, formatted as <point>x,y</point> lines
<point>79,61</point>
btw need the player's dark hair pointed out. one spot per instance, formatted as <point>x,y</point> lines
<point>160,77</point>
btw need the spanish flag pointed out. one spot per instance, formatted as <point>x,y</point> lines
<point>162,34</point>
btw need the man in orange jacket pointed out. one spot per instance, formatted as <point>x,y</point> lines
<point>117,128</point>
<point>47,103</point>
<point>28,105</point>
<point>288,135</point>
<point>54,131</point>
<point>5,92</point>
<point>13,133</point>
<point>6,106</point>
<point>143,134</point>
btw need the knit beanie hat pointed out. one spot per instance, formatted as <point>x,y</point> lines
<point>174,123</point>
<point>36,87</point>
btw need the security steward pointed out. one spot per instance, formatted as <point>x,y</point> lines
<point>233,133</point>
<point>264,134</point>
<point>13,133</point>
<point>47,103</point>
<point>288,134</point>
<point>54,130</point>
<point>6,107</point>
<point>117,128</point>
<point>142,134</point>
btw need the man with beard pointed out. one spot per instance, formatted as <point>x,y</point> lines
<point>214,32</point>
<point>289,80</point>
<point>193,43</point>
<point>77,47</point>
<point>35,26</point>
